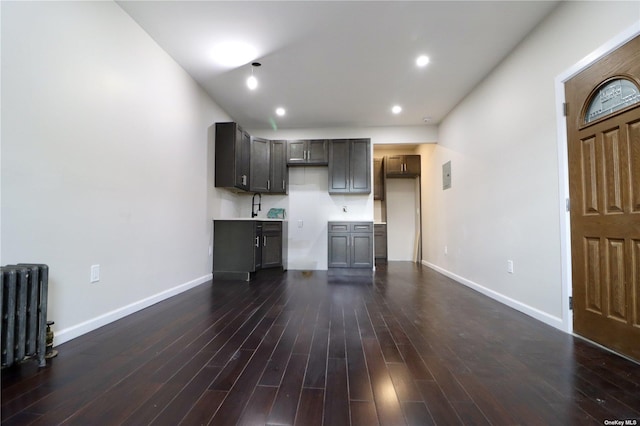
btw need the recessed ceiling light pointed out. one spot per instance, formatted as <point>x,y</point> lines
<point>397,109</point>
<point>422,60</point>
<point>231,54</point>
<point>280,111</point>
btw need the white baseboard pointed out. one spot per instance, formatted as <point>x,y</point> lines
<point>519,306</point>
<point>72,332</point>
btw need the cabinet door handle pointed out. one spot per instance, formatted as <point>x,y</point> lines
<point>244,179</point>
<point>268,185</point>
<point>264,241</point>
<point>304,155</point>
<point>257,241</point>
<point>283,187</point>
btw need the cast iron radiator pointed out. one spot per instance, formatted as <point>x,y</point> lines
<point>23,290</point>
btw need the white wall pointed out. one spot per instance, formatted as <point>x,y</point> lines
<point>311,207</point>
<point>402,219</point>
<point>106,154</point>
<point>501,141</point>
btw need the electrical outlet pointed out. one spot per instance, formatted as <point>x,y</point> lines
<point>510,266</point>
<point>95,273</point>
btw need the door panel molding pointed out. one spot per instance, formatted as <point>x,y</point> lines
<point>590,175</point>
<point>614,153</point>
<point>635,275</point>
<point>616,274</point>
<point>633,140</point>
<point>593,289</point>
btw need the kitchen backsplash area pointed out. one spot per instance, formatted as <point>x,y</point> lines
<point>309,207</point>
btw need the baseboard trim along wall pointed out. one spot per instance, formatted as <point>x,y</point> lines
<point>512,303</point>
<point>70,333</point>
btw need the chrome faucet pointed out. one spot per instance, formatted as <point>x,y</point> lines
<point>253,204</point>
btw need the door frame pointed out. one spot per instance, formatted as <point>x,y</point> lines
<point>563,163</point>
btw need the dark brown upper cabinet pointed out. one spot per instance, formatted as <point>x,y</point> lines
<point>248,163</point>
<point>278,176</point>
<point>255,164</point>
<point>268,166</point>
<point>401,166</point>
<point>350,166</point>
<point>260,165</point>
<point>312,152</point>
<point>233,156</point>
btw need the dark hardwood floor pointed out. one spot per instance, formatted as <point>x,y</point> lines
<point>408,346</point>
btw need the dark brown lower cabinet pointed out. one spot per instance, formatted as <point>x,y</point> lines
<point>380,240</point>
<point>242,247</point>
<point>350,245</point>
<point>271,244</point>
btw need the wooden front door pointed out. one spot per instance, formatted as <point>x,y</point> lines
<point>603,125</point>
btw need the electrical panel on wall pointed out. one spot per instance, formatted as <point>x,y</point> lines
<point>446,175</point>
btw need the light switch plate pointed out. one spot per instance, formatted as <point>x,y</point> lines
<point>95,273</point>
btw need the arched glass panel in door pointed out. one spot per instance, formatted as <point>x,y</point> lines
<point>612,96</point>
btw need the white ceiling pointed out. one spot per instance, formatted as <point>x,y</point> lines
<point>340,63</point>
